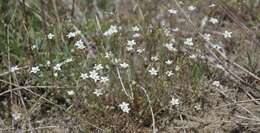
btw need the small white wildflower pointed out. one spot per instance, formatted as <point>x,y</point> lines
<point>193,56</point>
<point>104,80</point>
<point>16,116</point>
<point>177,68</point>
<point>57,67</point>
<point>154,58</point>
<point>108,54</point>
<point>34,47</point>
<point>55,74</point>
<point>136,35</point>
<point>50,36</point>
<point>129,48</point>
<point>84,76</point>
<point>213,20</point>
<point>169,73</point>
<point>140,50</point>
<point>216,83</point>
<point>212,5</point>
<point>131,43</point>
<point>173,40</point>
<point>124,107</point>
<point>216,46</point>
<point>80,45</point>
<point>174,102</point>
<point>94,75</point>
<point>207,36</point>
<point>48,63</point>
<point>14,68</point>
<point>124,65</point>
<point>98,67</point>
<point>175,29</point>
<point>188,42</point>
<point>98,92</point>
<point>170,47</point>
<point>168,62</point>
<point>153,71</point>
<point>68,60</point>
<point>227,34</point>
<point>197,107</point>
<point>111,31</point>
<point>71,92</point>
<point>35,69</point>
<point>173,11</point>
<point>71,35</point>
<point>191,8</point>
<point>135,29</point>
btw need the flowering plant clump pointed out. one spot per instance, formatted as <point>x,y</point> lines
<point>129,66</point>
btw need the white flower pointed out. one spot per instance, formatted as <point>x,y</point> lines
<point>111,31</point>
<point>169,73</point>
<point>80,45</point>
<point>168,62</point>
<point>131,43</point>
<point>71,34</point>
<point>177,68</point>
<point>104,80</point>
<point>170,47</point>
<point>227,34</point>
<point>173,40</point>
<point>124,65</point>
<point>50,36</point>
<point>129,48</point>
<point>34,47</point>
<point>140,50</point>
<point>136,35</point>
<point>216,46</point>
<point>213,20</point>
<point>48,63</point>
<point>98,67</point>
<point>135,29</point>
<point>57,67</point>
<point>174,101</point>
<point>84,76</point>
<point>14,68</point>
<point>197,107</point>
<point>35,69</point>
<point>108,54</point>
<point>212,5</point>
<point>207,37</point>
<point>173,11</point>
<point>71,92</point>
<point>124,107</point>
<point>191,8</point>
<point>94,75</point>
<point>154,58</point>
<point>98,92</point>
<point>188,42</point>
<point>16,116</point>
<point>216,83</point>
<point>193,56</point>
<point>68,60</point>
<point>55,74</point>
<point>153,71</point>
